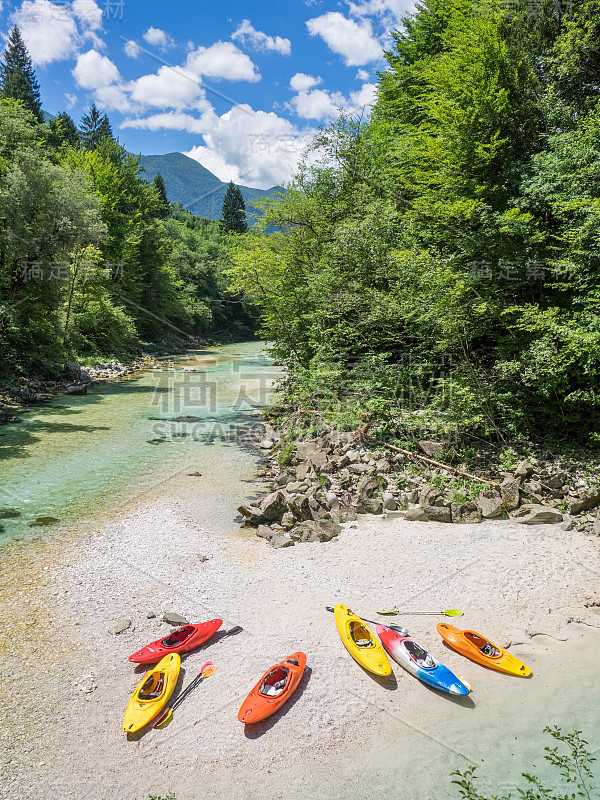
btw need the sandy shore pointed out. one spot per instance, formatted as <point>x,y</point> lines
<point>66,679</point>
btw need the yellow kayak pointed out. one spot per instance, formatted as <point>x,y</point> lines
<point>152,693</point>
<point>360,641</point>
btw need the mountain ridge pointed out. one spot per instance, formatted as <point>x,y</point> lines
<point>195,187</point>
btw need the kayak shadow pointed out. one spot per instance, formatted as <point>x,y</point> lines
<point>388,682</point>
<point>462,700</point>
<point>255,730</point>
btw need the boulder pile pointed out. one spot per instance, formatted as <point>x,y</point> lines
<point>320,482</point>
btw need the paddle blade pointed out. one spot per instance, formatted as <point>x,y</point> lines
<point>208,670</point>
<point>453,612</point>
<point>384,613</point>
<point>233,631</point>
<point>163,718</point>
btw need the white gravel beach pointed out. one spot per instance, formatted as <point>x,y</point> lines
<point>66,679</point>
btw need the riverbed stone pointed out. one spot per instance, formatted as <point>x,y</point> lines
<point>389,501</point>
<point>431,449</point>
<point>490,502</point>
<point>253,514</point>
<point>279,540</point>
<point>510,494</point>
<point>315,531</point>
<point>541,514</point>
<point>9,513</point>
<point>524,469</point>
<point>463,513</point>
<point>122,625</point>
<point>273,505</point>
<point>173,618</point>
<point>416,515</point>
<point>583,503</point>
<point>438,513</point>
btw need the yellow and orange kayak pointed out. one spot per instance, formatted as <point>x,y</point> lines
<point>476,647</point>
<point>361,642</point>
<point>152,693</point>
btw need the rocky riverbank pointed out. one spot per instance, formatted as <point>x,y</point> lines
<point>333,476</point>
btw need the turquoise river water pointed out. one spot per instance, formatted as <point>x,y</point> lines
<point>83,455</point>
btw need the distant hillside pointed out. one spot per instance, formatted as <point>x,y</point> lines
<point>194,186</point>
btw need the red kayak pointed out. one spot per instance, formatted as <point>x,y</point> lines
<point>181,640</point>
<point>274,689</point>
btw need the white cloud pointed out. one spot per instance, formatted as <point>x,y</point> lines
<point>49,31</point>
<point>258,40</point>
<point>168,88</point>
<point>132,49</point>
<point>318,104</point>
<point>390,11</point>
<point>362,75</point>
<point>95,71</point>
<point>223,60</point>
<point>255,148</point>
<point>323,105</point>
<point>88,13</point>
<point>354,41</point>
<point>112,98</point>
<point>158,38</point>
<point>172,120</point>
<point>301,82</point>
<point>365,96</point>
<point>71,99</point>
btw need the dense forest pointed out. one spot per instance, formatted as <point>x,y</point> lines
<point>438,265</point>
<point>93,259</point>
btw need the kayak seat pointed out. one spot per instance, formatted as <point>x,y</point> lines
<point>153,687</point>
<point>275,682</point>
<point>360,635</point>
<point>420,656</point>
<point>178,636</point>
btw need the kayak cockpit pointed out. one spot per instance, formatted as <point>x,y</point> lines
<point>275,682</point>
<point>487,648</point>
<point>152,687</point>
<point>419,655</point>
<point>178,636</point>
<point>360,635</point>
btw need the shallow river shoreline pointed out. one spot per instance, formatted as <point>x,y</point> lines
<point>344,735</point>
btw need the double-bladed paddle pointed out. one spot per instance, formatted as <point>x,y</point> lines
<point>397,628</point>
<point>449,612</point>
<point>207,670</point>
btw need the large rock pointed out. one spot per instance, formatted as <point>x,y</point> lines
<point>510,494</point>
<point>416,515</point>
<point>579,504</point>
<point>279,540</point>
<point>596,528</point>
<point>76,390</point>
<point>438,514</point>
<point>389,501</point>
<point>172,618</point>
<point>372,505</point>
<point>432,449</point>
<point>273,505</point>
<point>366,487</point>
<point>428,495</point>
<point>490,502</point>
<point>555,481</point>
<point>541,514</point>
<point>524,469</point>
<point>72,371</point>
<point>463,513</point>
<point>315,531</point>
<point>264,532</point>
<point>252,513</point>
<point>299,505</point>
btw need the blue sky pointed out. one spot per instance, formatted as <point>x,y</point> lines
<point>239,86</point>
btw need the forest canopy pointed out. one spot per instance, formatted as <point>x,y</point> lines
<point>438,264</point>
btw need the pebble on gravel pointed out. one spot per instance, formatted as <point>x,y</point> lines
<point>122,625</point>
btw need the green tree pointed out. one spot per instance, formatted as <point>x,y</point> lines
<point>234,211</point>
<point>64,129</point>
<point>94,128</point>
<point>159,185</point>
<point>17,76</point>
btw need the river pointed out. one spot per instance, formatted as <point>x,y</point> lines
<point>82,456</point>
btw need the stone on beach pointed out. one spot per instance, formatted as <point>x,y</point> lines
<point>172,618</point>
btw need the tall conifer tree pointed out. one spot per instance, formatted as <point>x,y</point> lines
<point>17,76</point>
<point>234,210</point>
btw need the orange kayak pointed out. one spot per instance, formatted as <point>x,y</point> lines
<point>274,689</point>
<point>476,647</point>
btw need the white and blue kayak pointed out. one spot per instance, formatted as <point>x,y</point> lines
<point>416,660</point>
